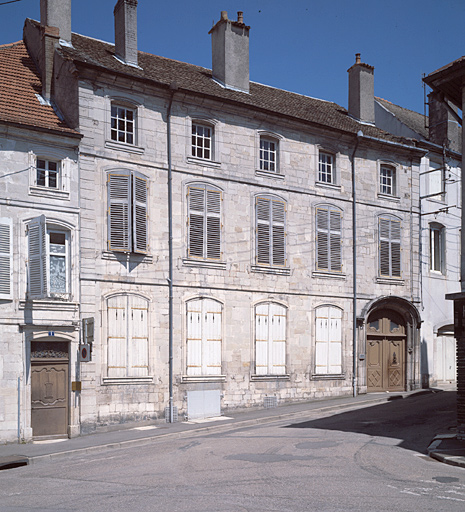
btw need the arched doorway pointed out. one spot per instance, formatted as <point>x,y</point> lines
<point>386,343</point>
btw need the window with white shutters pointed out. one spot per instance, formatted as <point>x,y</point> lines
<point>204,222</point>
<point>270,339</point>
<point>328,341</point>
<point>270,231</point>
<point>204,337</point>
<point>389,230</point>
<point>328,239</point>
<point>127,212</point>
<point>127,336</point>
<point>48,260</point>
<point>6,258</point>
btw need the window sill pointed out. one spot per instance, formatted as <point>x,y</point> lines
<point>394,199</point>
<point>328,376</point>
<point>279,271</point>
<point>435,274</point>
<point>190,262</point>
<point>186,379</point>
<point>269,174</point>
<point>122,146</point>
<point>328,275</point>
<point>127,256</point>
<point>258,378</point>
<point>390,280</point>
<point>48,192</point>
<point>331,186</point>
<point>111,381</point>
<point>203,162</point>
<point>46,304</point>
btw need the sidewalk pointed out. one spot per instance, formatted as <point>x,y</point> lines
<point>445,448</point>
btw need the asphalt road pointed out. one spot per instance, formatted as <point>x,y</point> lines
<point>370,459</point>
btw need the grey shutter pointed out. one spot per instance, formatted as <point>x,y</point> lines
<point>139,202</point>
<point>335,248</point>
<point>119,211</point>
<point>322,239</point>
<point>263,220</point>
<point>389,247</point>
<point>328,229</point>
<point>196,200</point>
<point>278,233</point>
<point>37,249</point>
<point>213,228</point>
<point>6,258</point>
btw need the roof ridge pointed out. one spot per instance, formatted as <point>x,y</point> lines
<point>11,45</point>
<point>400,106</point>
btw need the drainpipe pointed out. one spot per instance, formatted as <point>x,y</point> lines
<point>173,89</point>
<point>354,263</point>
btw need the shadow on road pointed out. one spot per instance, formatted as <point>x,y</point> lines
<point>414,420</point>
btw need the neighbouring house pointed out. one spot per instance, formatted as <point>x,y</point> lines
<point>231,244</point>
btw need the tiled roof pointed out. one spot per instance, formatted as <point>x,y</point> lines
<point>19,84</point>
<point>198,80</point>
<point>409,118</point>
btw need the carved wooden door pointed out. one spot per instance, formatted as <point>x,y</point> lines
<point>385,353</point>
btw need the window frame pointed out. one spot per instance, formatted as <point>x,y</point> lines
<point>47,171</point>
<point>332,173</point>
<point>272,162</point>
<point>204,125</point>
<point>127,205</point>
<point>390,244</point>
<point>437,231</point>
<point>267,236</point>
<point>116,105</point>
<point>392,185</point>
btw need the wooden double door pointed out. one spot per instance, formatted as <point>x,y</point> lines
<point>386,341</point>
<point>49,389</point>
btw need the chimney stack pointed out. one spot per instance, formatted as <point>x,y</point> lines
<point>230,52</point>
<point>361,91</point>
<point>126,31</point>
<point>57,13</point>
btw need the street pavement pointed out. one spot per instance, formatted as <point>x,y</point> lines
<point>442,446</point>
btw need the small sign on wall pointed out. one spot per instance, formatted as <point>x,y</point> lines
<point>84,353</point>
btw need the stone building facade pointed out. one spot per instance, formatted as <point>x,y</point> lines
<point>238,246</point>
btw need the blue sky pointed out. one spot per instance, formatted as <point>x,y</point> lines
<point>305,46</point>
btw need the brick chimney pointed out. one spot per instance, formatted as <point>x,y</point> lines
<point>443,122</point>
<point>126,31</point>
<point>55,22</point>
<point>230,52</point>
<point>361,91</point>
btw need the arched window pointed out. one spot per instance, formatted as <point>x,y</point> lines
<point>270,339</point>
<point>127,336</point>
<point>328,341</point>
<point>204,337</point>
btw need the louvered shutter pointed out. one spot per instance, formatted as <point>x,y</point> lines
<point>37,249</point>
<point>213,207</point>
<point>261,339</point>
<point>194,337</point>
<point>117,327</point>
<point>263,230</point>
<point>335,240</point>
<point>328,229</point>
<point>140,220</point>
<point>119,211</point>
<point>211,337</point>
<point>389,247</point>
<point>138,346</point>
<point>279,235</point>
<point>196,200</point>
<point>6,258</point>
<point>322,239</point>
<point>278,340</point>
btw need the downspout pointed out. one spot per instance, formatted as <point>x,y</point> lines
<point>173,89</point>
<point>354,265</point>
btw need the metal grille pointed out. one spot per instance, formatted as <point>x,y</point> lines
<point>270,401</point>
<point>175,414</point>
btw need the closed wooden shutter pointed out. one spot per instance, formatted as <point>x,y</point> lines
<point>329,250</point>
<point>270,231</point>
<point>119,211</point>
<point>196,200</point>
<point>213,228</point>
<point>270,339</point>
<point>117,326</point>
<point>204,338</point>
<point>37,249</point>
<point>328,341</point>
<point>6,258</point>
<point>140,217</point>
<point>389,247</point>
<point>138,341</point>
